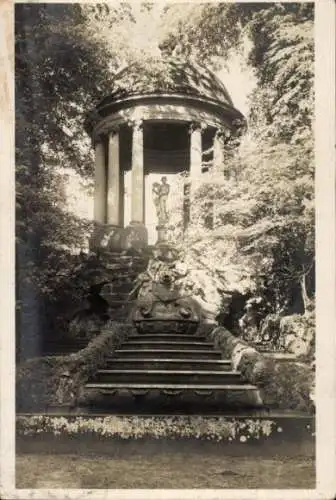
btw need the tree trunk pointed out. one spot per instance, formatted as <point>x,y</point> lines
<point>304,294</point>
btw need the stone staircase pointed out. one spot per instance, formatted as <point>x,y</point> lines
<point>155,373</point>
<point>170,373</point>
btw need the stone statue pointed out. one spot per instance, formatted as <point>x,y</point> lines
<point>160,196</point>
<point>160,305</point>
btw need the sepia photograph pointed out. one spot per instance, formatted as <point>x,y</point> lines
<point>165,247</point>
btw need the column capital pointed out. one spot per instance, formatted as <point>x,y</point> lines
<point>238,122</point>
<point>98,139</point>
<point>223,133</point>
<point>114,130</point>
<point>239,126</point>
<point>136,124</point>
<point>220,133</point>
<point>193,126</point>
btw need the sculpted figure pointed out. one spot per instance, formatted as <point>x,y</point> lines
<point>160,194</point>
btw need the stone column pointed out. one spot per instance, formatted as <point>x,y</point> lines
<point>113,180</point>
<point>219,148</point>
<point>195,171</point>
<point>195,151</point>
<point>100,183</point>
<point>136,234</point>
<point>138,184</point>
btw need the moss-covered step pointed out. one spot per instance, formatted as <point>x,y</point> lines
<point>177,376</point>
<point>170,398</point>
<point>167,345</point>
<point>146,353</point>
<point>155,363</point>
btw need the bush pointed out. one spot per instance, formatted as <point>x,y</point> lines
<point>60,380</point>
<point>298,334</point>
<point>295,334</point>
<point>283,385</point>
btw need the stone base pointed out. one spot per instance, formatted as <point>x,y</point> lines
<point>168,326</point>
<point>117,238</point>
<point>106,236</point>
<point>162,232</point>
<point>135,236</point>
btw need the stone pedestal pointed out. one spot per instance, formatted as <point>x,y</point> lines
<point>162,232</point>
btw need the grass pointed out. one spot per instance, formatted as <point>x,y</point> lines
<point>202,465</point>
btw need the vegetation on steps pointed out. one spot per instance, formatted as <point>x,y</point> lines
<point>283,385</point>
<point>162,427</point>
<point>59,380</point>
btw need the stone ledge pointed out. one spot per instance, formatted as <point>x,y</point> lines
<point>238,429</point>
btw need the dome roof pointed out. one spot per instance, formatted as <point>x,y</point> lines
<point>159,82</point>
<point>167,76</point>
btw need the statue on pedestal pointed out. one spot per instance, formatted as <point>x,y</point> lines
<point>160,196</point>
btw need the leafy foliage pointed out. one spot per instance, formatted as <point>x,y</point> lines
<point>157,75</point>
<point>60,70</point>
<point>59,380</point>
<point>261,199</point>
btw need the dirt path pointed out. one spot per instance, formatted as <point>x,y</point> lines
<point>164,470</point>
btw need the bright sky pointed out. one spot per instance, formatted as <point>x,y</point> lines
<point>238,79</point>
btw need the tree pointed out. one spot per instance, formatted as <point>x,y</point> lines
<point>62,68</point>
<point>263,194</point>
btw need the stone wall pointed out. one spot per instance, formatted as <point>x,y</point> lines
<point>286,385</point>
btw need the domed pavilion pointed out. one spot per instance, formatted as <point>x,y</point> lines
<point>160,120</point>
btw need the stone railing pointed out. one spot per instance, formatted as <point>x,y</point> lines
<point>286,385</point>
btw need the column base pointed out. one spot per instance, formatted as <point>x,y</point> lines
<point>107,236</point>
<point>112,237</point>
<point>135,236</point>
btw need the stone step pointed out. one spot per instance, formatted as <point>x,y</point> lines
<point>166,337</point>
<point>170,364</point>
<point>160,402</point>
<point>167,345</point>
<point>110,387</point>
<point>147,354</point>
<point>123,262</point>
<point>126,274</point>
<point>123,288</point>
<point>114,303</point>
<point>111,293</point>
<point>112,256</point>
<point>200,377</point>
